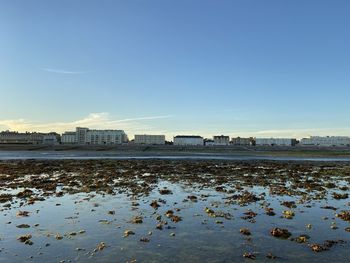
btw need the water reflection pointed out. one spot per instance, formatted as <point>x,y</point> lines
<point>84,220</point>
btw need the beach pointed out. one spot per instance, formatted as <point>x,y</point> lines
<point>172,210</point>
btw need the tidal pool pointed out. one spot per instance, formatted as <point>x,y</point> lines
<point>105,211</point>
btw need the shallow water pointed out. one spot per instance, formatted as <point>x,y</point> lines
<point>198,238</point>
<point>95,155</point>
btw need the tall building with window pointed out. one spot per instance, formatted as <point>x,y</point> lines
<point>94,137</point>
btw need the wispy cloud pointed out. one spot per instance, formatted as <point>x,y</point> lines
<point>146,118</point>
<point>101,120</point>
<point>63,71</point>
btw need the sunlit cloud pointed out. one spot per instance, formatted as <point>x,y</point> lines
<point>101,120</point>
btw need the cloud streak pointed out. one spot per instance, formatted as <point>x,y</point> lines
<point>63,71</point>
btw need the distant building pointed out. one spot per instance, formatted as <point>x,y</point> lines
<point>51,138</point>
<point>149,139</point>
<point>209,142</point>
<point>275,142</point>
<point>188,140</point>
<point>94,137</point>
<point>9,137</point>
<point>221,140</point>
<point>81,135</point>
<point>106,137</point>
<point>326,141</point>
<point>238,141</point>
<point>69,138</point>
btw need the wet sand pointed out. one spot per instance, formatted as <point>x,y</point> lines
<point>157,210</point>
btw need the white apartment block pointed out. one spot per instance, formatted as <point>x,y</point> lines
<point>188,140</point>
<point>69,138</point>
<point>149,139</point>
<point>326,141</point>
<point>221,140</point>
<point>106,137</point>
<point>275,141</point>
<point>94,137</point>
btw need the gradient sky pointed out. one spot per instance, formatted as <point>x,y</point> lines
<point>249,68</point>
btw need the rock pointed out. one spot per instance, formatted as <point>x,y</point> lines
<point>270,256</point>
<point>249,215</point>
<point>128,233</point>
<point>249,255</point>
<point>269,211</point>
<point>280,232</point>
<point>302,238</point>
<point>288,214</point>
<point>316,247</point>
<point>344,215</point>
<point>245,231</point>
<point>339,196</point>
<point>154,204</point>
<point>144,239</point>
<point>100,246</point>
<point>289,204</point>
<point>5,198</point>
<point>165,191</point>
<point>58,236</point>
<point>22,213</point>
<point>24,194</point>
<point>329,207</point>
<point>169,213</point>
<point>137,220</point>
<point>193,198</point>
<point>176,219</point>
<point>23,226</point>
<point>24,238</point>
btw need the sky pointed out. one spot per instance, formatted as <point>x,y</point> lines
<point>202,67</point>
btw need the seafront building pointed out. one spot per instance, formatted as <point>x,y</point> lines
<point>221,140</point>
<point>69,137</point>
<point>326,141</point>
<point>238,141</point>
<point>149,139</point>
<point>275,142</point>
<point>10,137</point>
<point>85,136</point>
<point>188,140</point>
<point>209,142</point>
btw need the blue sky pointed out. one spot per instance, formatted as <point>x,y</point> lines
<point>248,68</point>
